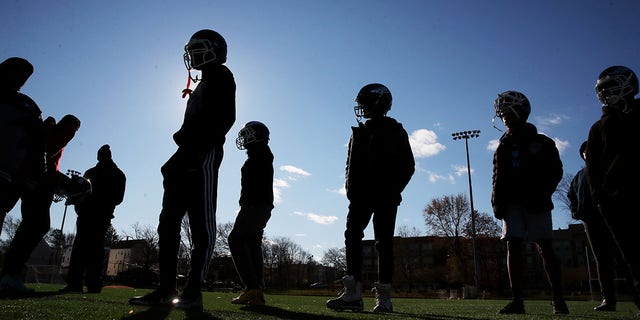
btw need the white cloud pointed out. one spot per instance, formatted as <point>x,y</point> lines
<point>561,145</point>
<point>316,218</point>
<point>434,177</point>
<point>551,120</point>
<point>424,143</point>
<point>493,145</point>
<point>341,191</point>
<point>461,170</point>
<point>294,170</point>
<point>278,184</point>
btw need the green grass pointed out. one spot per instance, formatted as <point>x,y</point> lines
<point>112,304</point>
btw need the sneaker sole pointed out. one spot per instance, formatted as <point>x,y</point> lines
<point>382,310</point>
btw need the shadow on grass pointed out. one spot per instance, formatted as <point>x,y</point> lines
<point>287,314</point>
<point>154,312</point>
<point>432,316</point>
<point>162,312</point>
<point>199,314</point>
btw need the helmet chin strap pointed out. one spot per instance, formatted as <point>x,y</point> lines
<point>186,91</point>
<point>493,122</point>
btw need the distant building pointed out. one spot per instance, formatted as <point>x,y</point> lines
<point>124,255</point>
<point>427,263</point>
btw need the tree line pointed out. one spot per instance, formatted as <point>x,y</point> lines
<point>448,216</point>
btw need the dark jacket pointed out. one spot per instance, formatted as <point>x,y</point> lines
<point>22,131</point>
<point>612,160</point>
<point>379,162</point>
<point>579,195</point>
<point>107,190</point>
<point>210,113</point>
<point>257,177</point>
<point>526,171</point>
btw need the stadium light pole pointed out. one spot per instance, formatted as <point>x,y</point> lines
<point>466,135</point>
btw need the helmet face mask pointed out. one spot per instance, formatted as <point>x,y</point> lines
<point>615,86</point>
<point>374,100</point>
<point>198,52</point>
<point>204,47</point>
<point>512,102</point>
<point>251,133</point>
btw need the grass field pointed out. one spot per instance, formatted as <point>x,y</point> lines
<point>112,303</point>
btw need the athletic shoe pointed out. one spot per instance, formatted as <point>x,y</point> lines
<point>13,284</point>
<point>188,300</point>
<point>383,297</point>
<point>513,307</point>
<point>606,306</point>
<point>250,297</point>
<point>70,289</point>
<point>350,297</point>
<point>155,298</point>
<point>559,307</point>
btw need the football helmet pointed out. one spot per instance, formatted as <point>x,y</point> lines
<point>14,73</point>
<point>616,84</point>
<point>374,100</point>
<point>205,46</point>
<point>252,132</point>
<point>74,188</point>
<point>512,102</point>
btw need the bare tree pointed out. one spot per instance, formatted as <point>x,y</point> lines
<point>186,241</point>
<point>222,242</point>
<point>150,249</point>
<point>289,258</point>
<point>560,195</point>
<point>284,250</point>
<point>447,217</point>
<point>10,226</point>
<point>336,258</point>
<point>56,239</point>
<point>486,226</point>
<point>406,232</point>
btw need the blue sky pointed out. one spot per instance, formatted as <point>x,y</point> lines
<point>298,65</point>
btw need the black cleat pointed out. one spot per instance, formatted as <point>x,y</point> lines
<point>188,301</point>
<point>513,307</point>
<point>155,298</point>
<point>560,307</point>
